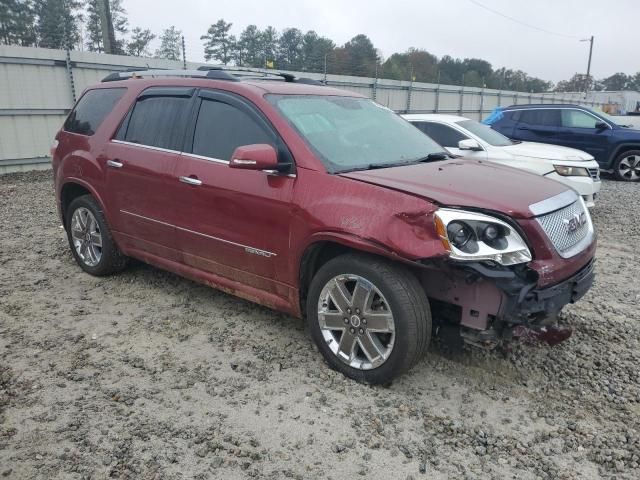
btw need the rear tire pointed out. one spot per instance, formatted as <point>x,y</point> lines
<point>369,317</point>
<point>90,239</point>
<point>627,166</point>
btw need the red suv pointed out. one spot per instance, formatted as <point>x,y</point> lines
<point>319,203</point>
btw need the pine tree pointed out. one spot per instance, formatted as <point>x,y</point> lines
<point>290,49</point>
<point>139,44</point>
<point>17,19</point>
<point>57,24</point>
<point>269,46</point>
<point>219,43</point>
<point>94,26</point>
<point>249,48</point>
<point>170,42</point>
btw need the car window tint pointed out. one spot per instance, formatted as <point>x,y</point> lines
<point>578,119</point>
<point>443,134</point>
<point>154,121</point>
<point>92,109</point>
<point>543,116</point>
<point>221,128</point>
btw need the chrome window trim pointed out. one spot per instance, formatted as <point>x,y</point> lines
<point>561,108</point>
<point>202,157</point>
<point>141,145</point>
<point>247,248</point>
<point>554,203</point>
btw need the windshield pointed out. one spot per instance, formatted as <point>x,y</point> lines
<point>354,133</point>
<point>486,133</point>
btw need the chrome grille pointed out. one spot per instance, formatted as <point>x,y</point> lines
<point>557,226</point>
<point>595,173</point>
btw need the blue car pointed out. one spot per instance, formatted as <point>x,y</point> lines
<point>615,147</point>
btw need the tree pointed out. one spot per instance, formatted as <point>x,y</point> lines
<point>617,81</point>
<point>139,44</point>
<point>419,63</point>
<point>269,43</point>
<point>249,48</point>
<point>362,56</point>
<point>578,83</point>
<point>57,24</point>
<point>290,49</point>
<point>94,26</point>
<point>17,18</point>
<point>314,50</point>
<point>219,43</point>
<point>170,44</point>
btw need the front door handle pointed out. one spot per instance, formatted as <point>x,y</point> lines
<point>190,181</point>
<point>114,164</point>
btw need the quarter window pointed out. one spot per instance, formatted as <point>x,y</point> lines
<point>578,119</point>
<point>221,128</point>
<point>156,121</point>
<point>92,109</point>
<point>443,134</point>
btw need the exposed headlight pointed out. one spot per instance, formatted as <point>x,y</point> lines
<point>566,171</point>
<point>473,236</point>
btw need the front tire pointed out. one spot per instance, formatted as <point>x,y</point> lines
<point>369,317</point>
<point>90,239</point>
<point>627,166</point>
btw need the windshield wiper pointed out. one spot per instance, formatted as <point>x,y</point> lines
<point>433,157</point>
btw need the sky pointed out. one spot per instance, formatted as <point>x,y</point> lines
<point>459,28</point>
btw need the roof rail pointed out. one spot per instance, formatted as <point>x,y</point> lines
<point>213,72</point>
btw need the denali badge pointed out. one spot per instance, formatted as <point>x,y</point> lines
<point>575,221</point>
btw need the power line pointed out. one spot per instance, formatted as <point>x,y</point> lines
<point>475,2</point>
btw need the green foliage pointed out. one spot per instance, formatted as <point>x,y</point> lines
<point>219,44</point>
<point>17,18</point>
<point>57,23</point>
<point>138,46</point>
<point>289,56</point>
<point>170,44</point>
<point>93,25</point>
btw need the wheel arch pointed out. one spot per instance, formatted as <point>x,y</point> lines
<point>621,148</point>
<point>72,189</point>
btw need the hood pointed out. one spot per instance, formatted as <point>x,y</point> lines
<point>547,152</point>
<point>467,183</point>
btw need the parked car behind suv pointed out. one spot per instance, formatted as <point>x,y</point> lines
<point>471,139</point>
<point>615,147</point>
<point>319,203</point>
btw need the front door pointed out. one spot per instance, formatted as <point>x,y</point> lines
<point>579,131</point>
<point>234,223</point>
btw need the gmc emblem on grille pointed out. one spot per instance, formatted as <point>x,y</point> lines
<point>575,221</point>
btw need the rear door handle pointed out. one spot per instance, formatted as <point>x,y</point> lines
<point>522,128</point>
<point>114,164</point>
<point>190,181</point>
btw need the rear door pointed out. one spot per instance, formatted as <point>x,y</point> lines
<point>232,222</point>
<point>538,125</point>
<point>579,131</point>
<point>141,160</point>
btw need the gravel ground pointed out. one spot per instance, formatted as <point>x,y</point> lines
<point>148,375</point>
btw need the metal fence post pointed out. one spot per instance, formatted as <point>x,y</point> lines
<point>461,99</point>
<point>481,103</point>
<point>72,83</point>
<point>409,96</point>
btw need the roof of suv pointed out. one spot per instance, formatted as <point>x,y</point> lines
<point>541,105</point>
<point>433,117</point>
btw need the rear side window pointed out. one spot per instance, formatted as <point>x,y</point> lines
<point>221,128</point>
<point>156,121</point>
<point>92,109</point>
<point>545,117</point>
<point>443,134</point>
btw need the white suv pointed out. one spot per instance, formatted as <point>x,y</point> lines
<point>471,139</point>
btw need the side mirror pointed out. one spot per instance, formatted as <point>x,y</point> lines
<point>601,126</point>
<point>259,156</point>
<point>469,144</point>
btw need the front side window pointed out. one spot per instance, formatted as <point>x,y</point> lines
<point>92,109</point>
<point>578,119</point>
<point>221,128</point>
<point>485,133</point>
<point>443,134</point>
<point>156,121</point>
<point>350,133</point>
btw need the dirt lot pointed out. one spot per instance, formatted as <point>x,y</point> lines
<point>147,375</point>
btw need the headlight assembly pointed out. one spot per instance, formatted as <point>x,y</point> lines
<point>473,236</point>
<point>571,171</point>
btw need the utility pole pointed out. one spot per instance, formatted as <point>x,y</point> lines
<point>106,25</point>
<point>590,40</point>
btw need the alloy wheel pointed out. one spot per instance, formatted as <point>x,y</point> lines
<point>629,167</point>
<point>356,321</point>
<point>85,233</point>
